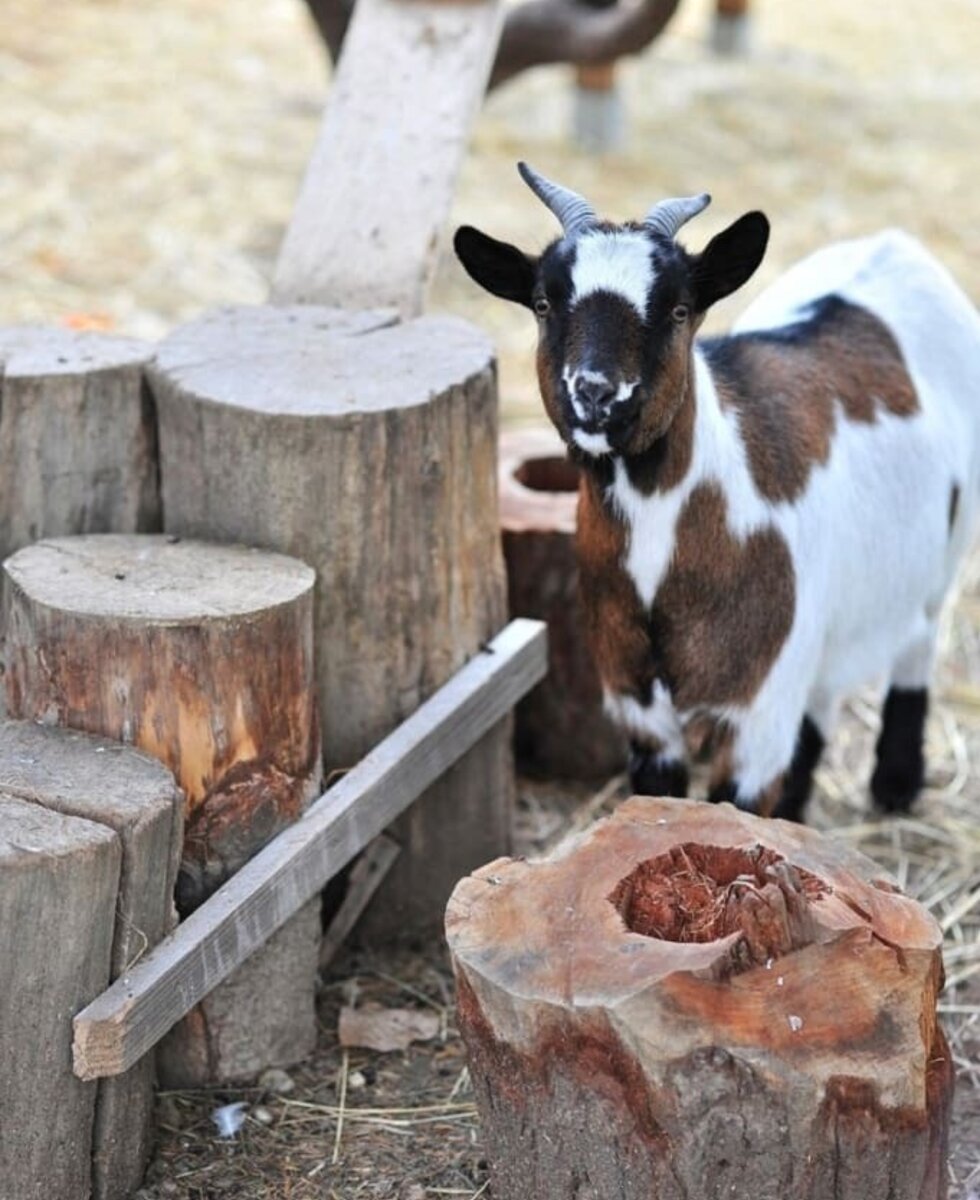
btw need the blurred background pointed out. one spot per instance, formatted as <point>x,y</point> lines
<point>150,153</point>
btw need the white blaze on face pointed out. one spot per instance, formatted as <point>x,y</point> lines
<point>613,262</point>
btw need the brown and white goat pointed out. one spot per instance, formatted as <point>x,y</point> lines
<point>768,519</point>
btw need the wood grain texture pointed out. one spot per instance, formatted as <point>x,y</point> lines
<point>129,1018</point>
<point>365,877</point>
<point>619,1046</point>
<point>131,794</point>
<point>377,191</point>
<point>59,877</point>
<point>369,451</point>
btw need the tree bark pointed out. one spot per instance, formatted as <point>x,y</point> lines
<point>368,450</point>
<point>113,786</point>
<point>202,656</point>
<point>690,1001</point>
<point>560,729</point>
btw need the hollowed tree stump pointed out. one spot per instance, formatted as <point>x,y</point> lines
<point>560,729</point>
<point>202,656</point>
<point>695,1002</point>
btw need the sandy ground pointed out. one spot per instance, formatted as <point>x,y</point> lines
<point>149,157</point>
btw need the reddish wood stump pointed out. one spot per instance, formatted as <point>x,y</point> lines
<point>560,728</point>
<point>691,1001</point>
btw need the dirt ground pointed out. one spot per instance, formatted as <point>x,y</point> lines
<point>149,157</point>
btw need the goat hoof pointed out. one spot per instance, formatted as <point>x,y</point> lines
<point>896,791</point>
<point>651,775</point>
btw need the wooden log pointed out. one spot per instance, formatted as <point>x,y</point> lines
<point>368,221</point>
<point>202,656</point>
<point>560,729</point>
<point>58,882</point>
<point>731,27</point>
<point>120,1025</point>
<point>373,458</point>
<point>112,785</point>
<point>689,1001</point>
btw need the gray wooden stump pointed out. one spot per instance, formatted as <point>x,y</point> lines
<point>89,843</point>
<point>368,449</point>
<point>560,729</point>
<point>690,1001</point>
<point>77,438</point>
<point>202,656</point>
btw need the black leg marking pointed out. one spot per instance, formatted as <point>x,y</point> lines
<point>653,775</point>
<point>724,792</point>
<point>799,778</point>
<point>901,766</point>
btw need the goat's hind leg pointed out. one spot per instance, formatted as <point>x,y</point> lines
<point>900,765</point>
<point>750,771</point>
<point>810,742</point>
<point>653,772</point>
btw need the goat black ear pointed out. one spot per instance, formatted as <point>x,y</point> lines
<point>730,259</point>
<point>497,266</point>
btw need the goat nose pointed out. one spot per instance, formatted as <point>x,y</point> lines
<point>595,394</point>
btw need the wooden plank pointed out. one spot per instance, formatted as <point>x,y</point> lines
<point>129,1018</point>
<point>377,192</point>
<point>366,874</point>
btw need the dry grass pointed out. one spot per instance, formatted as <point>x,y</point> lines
<point>149,155</point>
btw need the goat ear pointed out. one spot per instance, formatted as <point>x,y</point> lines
<point>730,259</point>
<point>497,266</point>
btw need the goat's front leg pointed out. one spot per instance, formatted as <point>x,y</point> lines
<point>751,769</point>
<point>657,763</point>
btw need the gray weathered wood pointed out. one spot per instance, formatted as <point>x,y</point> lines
<point>58,882</point>
<point>77,436</point>
<point>112,785</point>
<point>373,458</point>
<point>202,656</point>
<point>365,876</point>
<point>367,223</point>
<point>129,1018</point>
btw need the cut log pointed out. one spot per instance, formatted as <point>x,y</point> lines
<point>560,729</point>
<point>202,656</point>
<point>690,1001</point>
<point>368,222</point>
<point>58,882</point>
<point>373,458</point>
<point>115,786</point>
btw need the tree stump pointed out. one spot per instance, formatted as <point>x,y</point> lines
<point>58,882</point>
<point>111,786</point>
<point>202,656</point>
<point>368,450</point>
<point>560,729</point>
<point>689,1001</point>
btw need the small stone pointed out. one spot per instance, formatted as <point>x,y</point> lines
<point>356,1080</point>
<point>795,1023</point>
<point>169,1188</point>
<point>262,1115</point>
<point>278,1081</point>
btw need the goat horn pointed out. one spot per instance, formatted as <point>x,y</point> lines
<point>569,207</point>
<point>669,215</point>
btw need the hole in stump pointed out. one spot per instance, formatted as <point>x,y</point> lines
<point>696,893</point>
<point>548,475</point>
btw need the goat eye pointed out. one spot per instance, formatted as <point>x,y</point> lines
<point>542,307</point>
<point>680,313</point>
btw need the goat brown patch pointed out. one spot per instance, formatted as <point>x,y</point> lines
<point>724,608</point>
<point>786,387</point>
<point>665,433</point>
<point>616,624</point>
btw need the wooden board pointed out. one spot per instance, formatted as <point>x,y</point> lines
<point>59,877</point>
<point>121,1025</point>
<point>131,794</point>
<point>367,224</point>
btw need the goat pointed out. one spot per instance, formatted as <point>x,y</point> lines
<point>766,520</point>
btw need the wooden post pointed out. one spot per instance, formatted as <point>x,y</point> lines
<point>598,123</point>
<point>689,1001</point>
<point>560,730</point>
<point>113,787</point>
<point>202,656</point>
<point>368,450</point>
<point>369,217</point>
<point>731,27</point>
